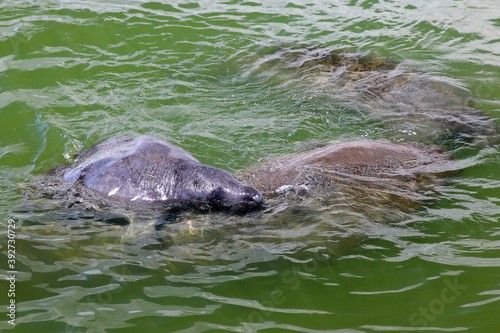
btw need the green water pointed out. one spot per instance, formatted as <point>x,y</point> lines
<point>73,73</point>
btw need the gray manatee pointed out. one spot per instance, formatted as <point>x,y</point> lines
<point>147,169</point>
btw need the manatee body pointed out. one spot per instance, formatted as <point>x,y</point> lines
<point>379,179</point>
<point>385,82</point>
<point>413,105</point>
<point>420,106</point>
<point>148,169</point>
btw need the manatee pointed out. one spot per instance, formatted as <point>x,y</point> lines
<point>380,179</point>
<point>146,169</point>
<point>412,104</point>
<point>382,81</point>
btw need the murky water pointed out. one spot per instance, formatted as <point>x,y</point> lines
<point>202,75</point>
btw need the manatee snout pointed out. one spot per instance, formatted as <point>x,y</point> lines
<point>231,193</point>
<point>246,198</point>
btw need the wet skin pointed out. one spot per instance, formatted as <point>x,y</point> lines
<point>148,169</point>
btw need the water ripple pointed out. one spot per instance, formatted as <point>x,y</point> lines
<point>212,78</point>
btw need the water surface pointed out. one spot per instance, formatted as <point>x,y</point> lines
<point>73,73</point>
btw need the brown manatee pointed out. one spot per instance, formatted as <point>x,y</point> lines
<point>147,169</point>
<point>381,180</point>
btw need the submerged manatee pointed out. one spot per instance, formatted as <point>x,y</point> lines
<point>419,106</point>
<point>148,169</point>
<point>380,180</point>
<point>412,104</point>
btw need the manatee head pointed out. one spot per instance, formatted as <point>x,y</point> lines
<point>217,188</point>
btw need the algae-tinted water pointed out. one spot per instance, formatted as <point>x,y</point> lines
<point>73,73</point>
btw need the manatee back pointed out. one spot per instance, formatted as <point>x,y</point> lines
<point>422,91</point>
<point>376,161</point>
<point>140,168</point>
<point>367,157</point>
<point>377,180</point>
<point>146,168</point>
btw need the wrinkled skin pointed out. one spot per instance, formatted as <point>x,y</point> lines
<point>379,179</point>
<point>148,169</point>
